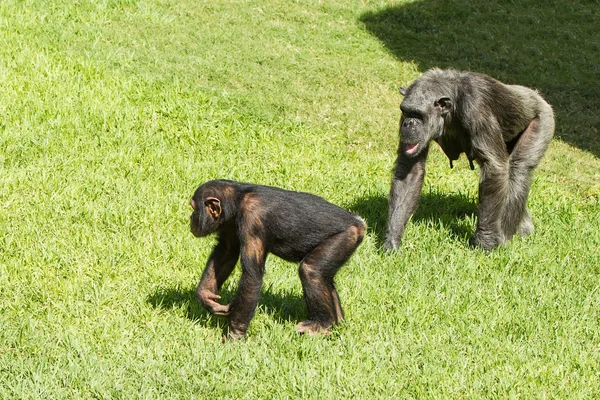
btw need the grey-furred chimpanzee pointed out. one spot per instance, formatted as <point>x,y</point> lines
<point>252,221</point>
<point>505,128</point>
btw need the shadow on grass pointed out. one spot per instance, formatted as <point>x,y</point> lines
<point>553,46</point>
<point>284,307</point>
<point>449,209</point>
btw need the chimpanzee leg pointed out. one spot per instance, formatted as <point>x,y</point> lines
<point>317,272</point>
<point>524,158</point>
<point>243,306</point>
<point>218,268</point>
<point>493,189</point>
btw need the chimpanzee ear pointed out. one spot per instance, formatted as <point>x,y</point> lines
<point>213,207</point>
<point>445,104</point>
<point>402,90</point>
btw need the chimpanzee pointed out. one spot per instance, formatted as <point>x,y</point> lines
<point>252,221</point>
<point>505,128</point>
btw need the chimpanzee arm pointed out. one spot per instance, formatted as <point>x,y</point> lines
<point>407,183</point>
<point>218,268</point>
<point>243,306</point>
<point>493,189</point>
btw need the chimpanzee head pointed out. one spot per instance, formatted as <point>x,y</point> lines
<point>210,207</point>
<point>426,109</point>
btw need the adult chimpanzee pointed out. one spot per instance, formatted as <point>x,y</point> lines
<point>505,128</point>
<point>252,221</point>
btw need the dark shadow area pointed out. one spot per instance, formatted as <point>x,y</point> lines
<point>373,209</point>
<point>170,298</point>
<point>283,307</point>
<point>552,46</point>
<point>448,209</point>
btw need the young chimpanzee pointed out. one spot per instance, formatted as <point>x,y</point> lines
<point>252,221</point>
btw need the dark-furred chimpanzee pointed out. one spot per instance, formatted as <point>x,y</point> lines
<point>252,221</point>
<point>505,128</point>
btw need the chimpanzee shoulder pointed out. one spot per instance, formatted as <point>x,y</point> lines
<point>483,99</point>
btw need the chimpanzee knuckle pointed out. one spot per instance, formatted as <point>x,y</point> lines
<point>212,296</point>
<point>221,310</point>
<point>208,299</point>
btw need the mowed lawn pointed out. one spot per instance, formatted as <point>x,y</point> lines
<point>112,113</point>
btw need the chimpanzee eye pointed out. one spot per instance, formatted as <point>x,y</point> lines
<point>412,114</point>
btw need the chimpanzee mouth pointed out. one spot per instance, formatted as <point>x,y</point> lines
<point>410,148</point>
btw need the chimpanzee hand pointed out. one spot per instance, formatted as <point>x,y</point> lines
<point>209,301</point>
<point>486,240</point>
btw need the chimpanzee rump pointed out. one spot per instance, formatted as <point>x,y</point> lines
<point>506,129</point>
<point>252,221</point>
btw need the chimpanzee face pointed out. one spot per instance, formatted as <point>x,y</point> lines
<point>414,136</point>
<point>423,118</point>
<point>206,217</point>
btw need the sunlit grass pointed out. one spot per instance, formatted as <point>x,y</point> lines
<point>113,112</point>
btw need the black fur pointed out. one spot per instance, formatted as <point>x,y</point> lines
<point>505,128</point>
<point>252,221</point>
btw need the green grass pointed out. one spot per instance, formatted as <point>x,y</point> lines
<point>113,112</point>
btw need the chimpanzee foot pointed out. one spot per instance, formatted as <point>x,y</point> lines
<point>312,328</point>
<point>526,226</point>
<point>233,335</point>
<point>486,240</point>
